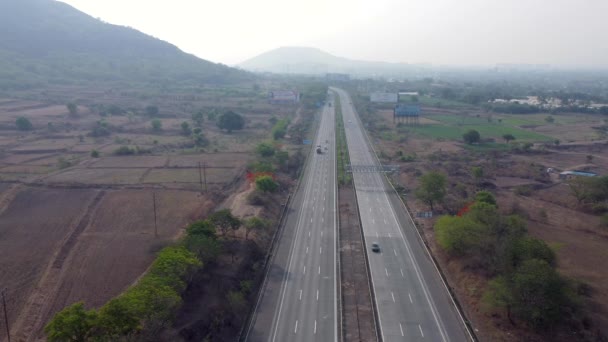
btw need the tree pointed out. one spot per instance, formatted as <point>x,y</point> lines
<point>95,154</point>
<point>266,184</point>
<point>485,197</point>
<point>549,119</point>
<point>116,319</point>
<point>471,137</point>
<point>231,121</point>
<point>72,109</point>
<point>157,125</point>
<point>186,130</point>
<point>477,172</point>
<point>589,158</point>
<point>432,188</point>
<point>73,323</point>
<point>151,110</point>
<point>255,224</point>
<point>23,124</point>
<point>224,220</point>
<point>265,149</point>
<point>539,294</point>
<point>508,137</point>
<point>202,240</point>
<point>604,110</point>
<point>198,118</point>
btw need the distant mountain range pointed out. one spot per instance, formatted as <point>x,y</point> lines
<point>307,60</point>
<point>47,41</point>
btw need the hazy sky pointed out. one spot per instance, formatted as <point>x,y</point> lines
<point>463,32</point>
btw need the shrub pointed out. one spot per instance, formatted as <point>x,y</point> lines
<point>23,124</point>
<point>266,184</point>
<point>523,190</point>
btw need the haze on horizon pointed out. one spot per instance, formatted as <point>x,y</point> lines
<point>563,33</point>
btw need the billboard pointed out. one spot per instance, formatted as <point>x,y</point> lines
<point>384,97</point>
<point>284,96</point>
<point>407,110</point>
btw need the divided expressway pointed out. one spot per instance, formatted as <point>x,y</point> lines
<point>300,295</point>
<point>299,301</point>
<point>412,302</point>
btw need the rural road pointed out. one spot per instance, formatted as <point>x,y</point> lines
<point>412,302</point>
<point>299,299</point>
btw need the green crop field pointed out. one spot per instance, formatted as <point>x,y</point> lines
<point>453,127</point>
<point>435,102</point>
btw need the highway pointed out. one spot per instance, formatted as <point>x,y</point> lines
<point>412,302</point>
<point>299,301</point>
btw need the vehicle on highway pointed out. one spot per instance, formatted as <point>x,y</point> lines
<point>319,150</point>
<point>375,247</point>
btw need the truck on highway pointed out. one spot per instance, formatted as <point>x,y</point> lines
<point>319,150</point>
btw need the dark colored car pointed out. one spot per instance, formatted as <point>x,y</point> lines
<point>375,247</point>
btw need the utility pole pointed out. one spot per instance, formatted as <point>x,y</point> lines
<point>205,175</point>
<point>200,176</point>
<point>8,330</point>
<point>154,205</point>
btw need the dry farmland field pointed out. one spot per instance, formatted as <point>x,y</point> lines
<point>75,226</point>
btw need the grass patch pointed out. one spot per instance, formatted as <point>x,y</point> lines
<point>435,102</point>
<point>455,126</point>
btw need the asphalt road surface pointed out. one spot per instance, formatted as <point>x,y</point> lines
<point>299,300</point>
<point>412,302</point>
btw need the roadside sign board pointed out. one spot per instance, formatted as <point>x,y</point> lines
<point>307,142</point>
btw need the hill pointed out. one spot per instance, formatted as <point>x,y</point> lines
<point>49,42</point>
<point>307,60</point>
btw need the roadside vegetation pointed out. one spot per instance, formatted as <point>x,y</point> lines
<point>343,158</point>
<point>147,308</point>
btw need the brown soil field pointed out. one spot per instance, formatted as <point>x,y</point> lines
<point>97,176</point>
<point>211,159</point>
<point>214,176</point>
<point>130,161</point>
<point>119,243</point>
<point>24,254</point>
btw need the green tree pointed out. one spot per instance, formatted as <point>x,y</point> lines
<point>212,115</point>
<point>508,137</point>
<point>432,188</point>
<point>255,224</point>
<point>224,220</point>
<point>266,184</point>
<point>151,111</point>
<point>549,119</point>
<point>117,319</point>
<point>485,197</point>
<point>265,149</point>
<point>157,125</point>
<point>73,323</point>
<point>471,137</point>
<point>72,109</point>
<point>198,118</point>
<point>202,240</point>
<point>23,124</point>
<point>477,172</point>
<point>231,121</point>
<point>282,159</point>
<point>186,130</point>
<point>95,154</point>
<point>458,235</point>
<point>540,295</point>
